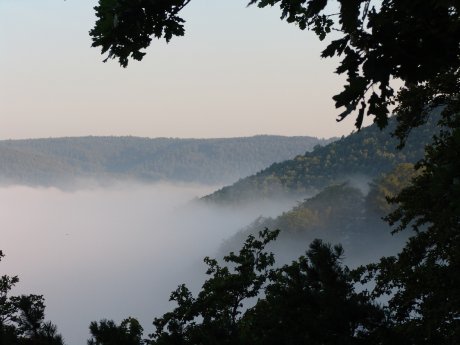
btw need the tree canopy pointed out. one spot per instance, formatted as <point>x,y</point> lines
<point>414,41</point>
<point>22,318</point>
<point>368,153</point>
<point>249,301</point>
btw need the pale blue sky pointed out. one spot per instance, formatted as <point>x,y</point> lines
<point>238,71</point>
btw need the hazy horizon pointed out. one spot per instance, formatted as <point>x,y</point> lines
<point>163,137</point>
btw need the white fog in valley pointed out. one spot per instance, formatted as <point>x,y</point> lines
<point>112,252</point>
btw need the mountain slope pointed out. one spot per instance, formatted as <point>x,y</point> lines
<point>56,162</point>
<point>338,214</point>
<point>364,154</point>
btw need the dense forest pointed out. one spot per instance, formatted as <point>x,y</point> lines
<point>60,162</point>
<point>362,155</point>
<point>341,213</point>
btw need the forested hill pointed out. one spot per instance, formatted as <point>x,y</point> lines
<point>62,161</point>
<point>338,214</point>
<point>359,156</point>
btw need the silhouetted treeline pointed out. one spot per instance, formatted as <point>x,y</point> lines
<point>22,318</point>
<point>248,301</point>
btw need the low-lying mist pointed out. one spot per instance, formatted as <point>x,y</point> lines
<point>345,213</point>
<point>112,252</point>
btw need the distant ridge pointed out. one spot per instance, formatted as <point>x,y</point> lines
<point>367,153</point>
<point>62,161</point>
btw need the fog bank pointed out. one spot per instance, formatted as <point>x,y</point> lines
<point>112,252</point>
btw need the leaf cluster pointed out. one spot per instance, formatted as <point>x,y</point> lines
<point>422,280</point>
<point>415,42</point>
<point>107,332</point>
<point>250,301</point>
<point>22,318</point>
<point>124,27</point>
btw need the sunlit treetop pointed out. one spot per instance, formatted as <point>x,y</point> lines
<point>415,41</point>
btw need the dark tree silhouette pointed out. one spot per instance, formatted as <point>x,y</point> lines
<point>22,318</point>
<point>107,332</point>
<point>414,41</point>
<point>248,301</point>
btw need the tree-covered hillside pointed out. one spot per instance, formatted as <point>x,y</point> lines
<point>363,154</point>
<point>340,213</point>
<point>60,161</point>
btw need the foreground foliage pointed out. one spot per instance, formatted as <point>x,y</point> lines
<point>414,41</point>
<point>249,301</point>
<point>22,318</point>
<point>107,332</point>
<point>423,280</point>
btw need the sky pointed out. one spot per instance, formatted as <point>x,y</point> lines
<point>237,72</point>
